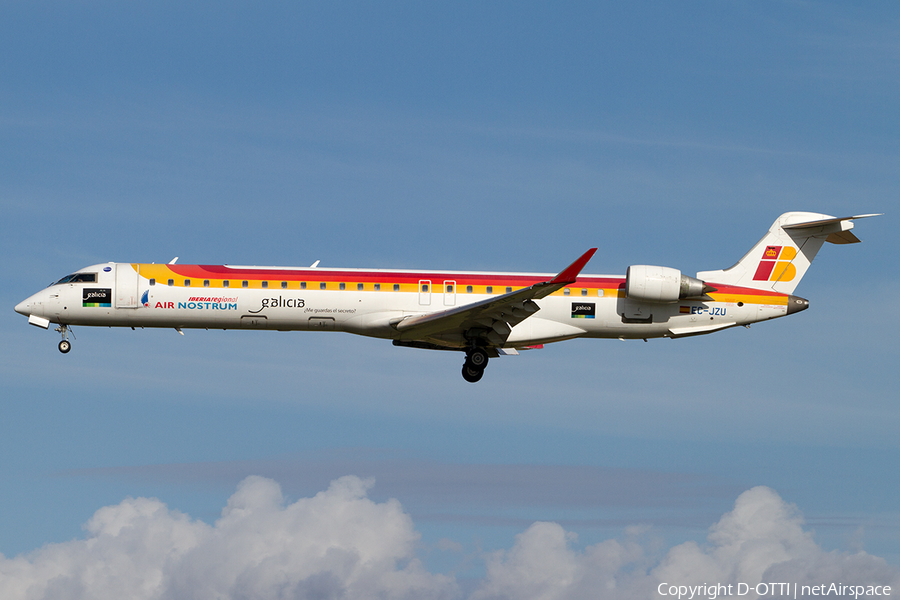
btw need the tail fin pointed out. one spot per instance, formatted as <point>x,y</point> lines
<point>780,259</point>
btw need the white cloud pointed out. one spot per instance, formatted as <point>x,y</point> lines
<point>543,566</point>
<point>761,540</point>
<point>338,544</point>
<point>341,544</point>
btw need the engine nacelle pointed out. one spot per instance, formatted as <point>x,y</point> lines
<point>661,284</point>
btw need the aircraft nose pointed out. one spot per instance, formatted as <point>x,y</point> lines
<point>31,305</point>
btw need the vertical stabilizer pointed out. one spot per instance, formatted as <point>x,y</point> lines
<point>780,259</point>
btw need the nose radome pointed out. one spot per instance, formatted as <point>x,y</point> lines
<point>31,305</point>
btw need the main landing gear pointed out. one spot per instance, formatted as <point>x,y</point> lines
<point>65,345</point>
<point>473,368</point>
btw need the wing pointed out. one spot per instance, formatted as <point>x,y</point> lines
<point>488,321</point>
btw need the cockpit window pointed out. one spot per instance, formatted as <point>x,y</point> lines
<point>78,278</point>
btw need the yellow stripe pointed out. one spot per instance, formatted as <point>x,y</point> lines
<point>748,299</point>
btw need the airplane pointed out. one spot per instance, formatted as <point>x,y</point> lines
<point>483,314</point>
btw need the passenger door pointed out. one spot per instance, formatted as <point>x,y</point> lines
<point>126,286</point>
<point>449,293</point>
<point>425,292</point>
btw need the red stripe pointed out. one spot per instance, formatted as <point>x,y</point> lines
<point>500,280</point>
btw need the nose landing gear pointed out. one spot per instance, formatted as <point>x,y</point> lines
<point>473,368</point>
<point>65,345</point>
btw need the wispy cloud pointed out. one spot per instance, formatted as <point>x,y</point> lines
<point>431,484</point>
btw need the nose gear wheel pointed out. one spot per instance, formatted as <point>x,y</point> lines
<point>65,345</point>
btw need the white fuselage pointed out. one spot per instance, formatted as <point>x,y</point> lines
<point>482,314</point>
<point>373,302</point>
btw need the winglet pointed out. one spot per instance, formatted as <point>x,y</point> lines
<point>570,273</point>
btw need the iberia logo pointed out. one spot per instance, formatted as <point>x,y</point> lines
<point>145,299</point>
<point>776,264</point>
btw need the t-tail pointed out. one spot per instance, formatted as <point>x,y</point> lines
<point>780,259</point>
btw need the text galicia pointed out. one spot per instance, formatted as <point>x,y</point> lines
<point>280,302</point>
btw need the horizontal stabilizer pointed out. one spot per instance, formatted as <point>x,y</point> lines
<point>836,228</point>
<point>842,237</point>
<point>821,222</point>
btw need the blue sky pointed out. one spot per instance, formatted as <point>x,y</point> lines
<point>496,136</point>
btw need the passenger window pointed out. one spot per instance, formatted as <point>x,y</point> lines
<point>360,287</point>
<point>342,286</point>
<point>377,287</point>
<point>302,285</point>
<point>244,284</point>
<point>600,292</point>
<point>284,285</point>
<point>584,292</point>
<point>152,282</point>
<point>567,291</point>
<point>265,284</point>
<point>187,283</point>
<point>396,287</point>
<point>449,289</point>
<point>424,287</point>
<point>206,283</point>
<point>489,289</point>
<point>322,286</point>
<point>226,283</point>
<point>508,290</point>
<point>171,282</point>
<point>468,289</point>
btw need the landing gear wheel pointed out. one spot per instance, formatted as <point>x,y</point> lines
<point>478,358</point>
<point>472,374</point>
<point>65,345</point>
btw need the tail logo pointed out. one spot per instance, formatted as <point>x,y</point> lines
<point>775,264</point>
